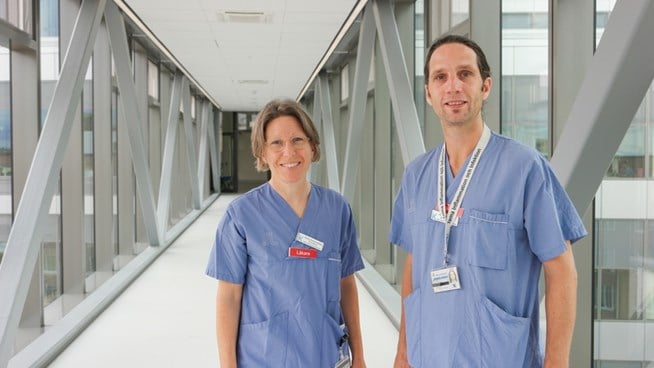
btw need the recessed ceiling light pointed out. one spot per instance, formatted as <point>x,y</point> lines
<point>243,16</point>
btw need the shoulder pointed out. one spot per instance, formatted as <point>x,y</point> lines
<point>249,199</point>
<point>330,196</point>
<point>423,162</point>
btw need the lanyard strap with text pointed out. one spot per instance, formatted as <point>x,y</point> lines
<point>451,213</point>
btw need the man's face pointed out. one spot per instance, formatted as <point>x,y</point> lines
<point>454,87</point>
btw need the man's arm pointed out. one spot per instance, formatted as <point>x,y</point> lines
<point>401,358</point>
<point>228,312</point>
<point>560,307</point>
<point>350,307</point>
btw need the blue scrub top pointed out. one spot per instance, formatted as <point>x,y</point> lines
<point>515,216</point>
<point>290,310</point>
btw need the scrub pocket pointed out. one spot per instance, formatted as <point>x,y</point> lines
<point>503,336</point>
<point>488,235</point>
<point>413,341</point>
<point>263,344</point>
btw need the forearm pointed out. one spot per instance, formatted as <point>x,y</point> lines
<point>560,304</point>
<point>350,307</point>
<point>228,310</point>
<point>401,358</point>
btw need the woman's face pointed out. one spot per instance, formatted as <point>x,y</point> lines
<point>287,150</point>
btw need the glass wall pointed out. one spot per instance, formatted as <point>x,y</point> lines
<point>6,203</point>
<point>623,308</point>
<point>18,13</point>
<point>85,212</point>
<point>51,246</point>
<point>525,72</point>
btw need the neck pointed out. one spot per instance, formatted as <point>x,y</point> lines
<point>295,194</point>
<point>460,141</point>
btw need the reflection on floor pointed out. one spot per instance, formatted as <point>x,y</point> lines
<point>166,317</point>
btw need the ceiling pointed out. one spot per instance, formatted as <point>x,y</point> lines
<point>245,52</point>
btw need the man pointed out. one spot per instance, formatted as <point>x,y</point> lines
<point>491,212</point>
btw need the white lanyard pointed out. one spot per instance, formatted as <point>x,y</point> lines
<point>450,216</point>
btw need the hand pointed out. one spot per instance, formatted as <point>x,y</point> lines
<point>358,364</point>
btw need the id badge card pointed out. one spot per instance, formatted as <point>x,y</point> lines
<point>445,279</point>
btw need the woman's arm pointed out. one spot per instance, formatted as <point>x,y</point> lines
<point>350,307</point>
<point>228,312</point>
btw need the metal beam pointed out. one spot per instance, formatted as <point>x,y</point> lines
<point>202,153</point>
<point>328,136</point>
<point>131,113</point>
<point>365,48</point>
<point>213,147</point>
<point>180,83</point>
<point>191,151</point>
<point>616,81</point>
<point>314,173</point>
<point>404,108</point>
<point>25,236</point>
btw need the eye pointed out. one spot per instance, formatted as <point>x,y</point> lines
<point>298,141</point>
<point>276,144</point>
<point>465,73</point>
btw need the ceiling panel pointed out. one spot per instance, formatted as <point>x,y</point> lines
<point>230,46</point>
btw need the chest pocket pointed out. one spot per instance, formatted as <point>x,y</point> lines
<point>488,237</point>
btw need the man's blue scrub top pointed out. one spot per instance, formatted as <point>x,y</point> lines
<point>515,216</point>
<point>290,314</point>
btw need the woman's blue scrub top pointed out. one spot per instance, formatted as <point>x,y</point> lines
<point>515,216</point>
<point>290,310</point>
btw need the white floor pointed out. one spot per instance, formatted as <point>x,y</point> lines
<point>166,317</point>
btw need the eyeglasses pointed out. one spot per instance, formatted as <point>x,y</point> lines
<point>296,143</point>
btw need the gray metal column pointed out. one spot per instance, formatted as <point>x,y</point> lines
<point>202,153</point>
<point>103,193</point>
<point>328,137</point>
<point>214,145</point>
<point>191,151</point>
<point>316,168</point>
<point>179,84</point>
<point>24,83</point>
<point>73,247</point>
<point>615,83</point>
<point>401,93</point>
<point>358,101</point>
<point>118,40</point>
<point>485,29</point>
<point>24,239</point>
<point>572,25</point>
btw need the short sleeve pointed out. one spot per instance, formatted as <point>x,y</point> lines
<point>398,233</point>
<point>228,257</point>
<point>351,261</point>
<point>550,217</point>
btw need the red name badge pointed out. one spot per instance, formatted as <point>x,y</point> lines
<point>302,253</point>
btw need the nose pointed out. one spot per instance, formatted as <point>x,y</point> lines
<point>453,85</point>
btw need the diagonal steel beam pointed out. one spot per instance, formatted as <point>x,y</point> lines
<point>616,81</point>
<point>357,119</point>
<point>180,83</point>
<point>118,41</point>
<point>329,139</point>
<point>191,150</point>
<point>25,237</point>
<point>404,108</point>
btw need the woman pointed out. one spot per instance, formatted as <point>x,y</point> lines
<point>285,256</point>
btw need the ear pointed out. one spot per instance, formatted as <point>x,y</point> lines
<point>486,87</point>
<point>427,95</point>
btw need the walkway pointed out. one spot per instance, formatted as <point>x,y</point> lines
<point>166,317</point>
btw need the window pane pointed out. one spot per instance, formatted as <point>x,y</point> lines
<point>525,84</point>
<point>6,203</point>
